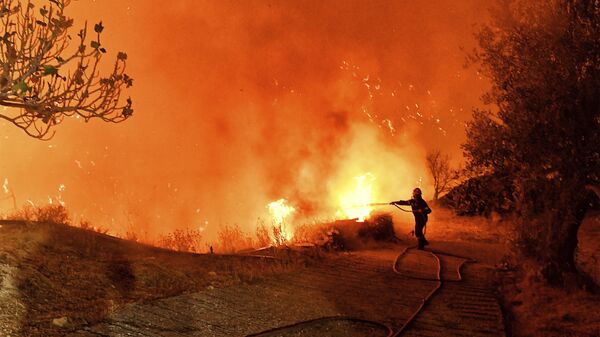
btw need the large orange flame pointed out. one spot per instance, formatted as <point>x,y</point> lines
<point>354,203</point>
<point>280,210</point>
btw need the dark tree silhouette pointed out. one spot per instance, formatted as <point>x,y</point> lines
<point>43,79</point>
<point>443,175</point>
<point>543,59</point>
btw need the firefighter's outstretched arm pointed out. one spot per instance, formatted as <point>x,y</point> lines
<point>401,203</point>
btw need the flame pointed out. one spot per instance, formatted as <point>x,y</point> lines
<point>354,204</point>
<point>280,211</point>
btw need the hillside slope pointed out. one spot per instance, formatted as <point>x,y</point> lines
<point>56,278</point>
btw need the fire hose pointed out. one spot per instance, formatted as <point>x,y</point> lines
<point>387,204</point>
<point>398,207</point>
<point>409,321</point>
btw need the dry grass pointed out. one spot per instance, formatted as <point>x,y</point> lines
<point>232,239</point>
<point>536,309</point>
<point>65,271</point>
<point>54,213</point>
<point>188,240</point>
<point>263,238</point>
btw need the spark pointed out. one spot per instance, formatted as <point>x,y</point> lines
<point>390,126</point>
<point>5,185</point>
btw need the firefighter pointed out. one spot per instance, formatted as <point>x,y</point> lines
<point>420,210</point>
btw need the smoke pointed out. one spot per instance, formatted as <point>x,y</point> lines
<point>238,104</point>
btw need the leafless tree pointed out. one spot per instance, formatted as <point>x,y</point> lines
<point>443,175</point>
<point>44,78</point>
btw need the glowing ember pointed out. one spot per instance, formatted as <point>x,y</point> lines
<point>280,211</point>
<point>355,203</point>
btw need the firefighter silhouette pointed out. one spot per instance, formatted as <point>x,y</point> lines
<point>420,210</point>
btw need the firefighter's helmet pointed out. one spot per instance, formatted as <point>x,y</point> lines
<point>417,191</point>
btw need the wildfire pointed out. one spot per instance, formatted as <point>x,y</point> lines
<point>280,211</point>
<point>355,203</point>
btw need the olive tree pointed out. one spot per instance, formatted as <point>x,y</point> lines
<point>46,74</point>
<point>543,129</point>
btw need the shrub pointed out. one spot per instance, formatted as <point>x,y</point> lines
<point>263,238</point>
<point>379,227</point>
<point>481,196</point>
<point>333,240</point>
<point>49,213</point>
<point>232,239</point>
<point>188,240</point>
<point>324,235</point>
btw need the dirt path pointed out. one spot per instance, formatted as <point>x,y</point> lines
<point>365,293</point>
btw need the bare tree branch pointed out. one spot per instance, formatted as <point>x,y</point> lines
<point>44,81</point>
<point>443,175</point>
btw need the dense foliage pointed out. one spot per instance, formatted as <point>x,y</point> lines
<point>543,60</point>
<point>481,195</point>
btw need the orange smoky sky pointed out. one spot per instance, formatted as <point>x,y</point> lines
<point>238,103</point>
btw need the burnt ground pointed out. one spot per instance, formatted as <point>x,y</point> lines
<point>63,281</point>
<point>56,278</point>
<point>369,293</point>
